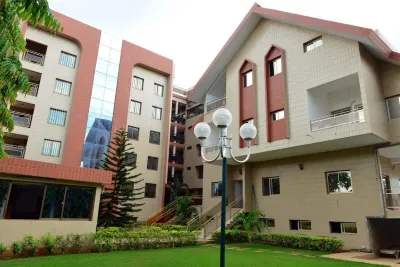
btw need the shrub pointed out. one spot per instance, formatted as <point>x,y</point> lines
<point>3,248</point>
<point>49,243</point>
<point>30,244</point>
<point>76,242</point>
<point>110,232</point>
<point>170,227</point>
<point>282,240</point>
<point>62,243</point>
<point>16,247</point>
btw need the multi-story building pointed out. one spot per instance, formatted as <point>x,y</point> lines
<point>85,85</point>
<point>324,97</point>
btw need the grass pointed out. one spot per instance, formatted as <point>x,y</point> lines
<point>190,256</point>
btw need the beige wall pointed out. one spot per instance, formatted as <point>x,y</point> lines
<point>146,123</point>
<point>46,97</point>
<point>212,173</point>
<point>14,230</point>
<point>303,194</point>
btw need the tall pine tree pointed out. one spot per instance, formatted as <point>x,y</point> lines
<point>119,202</point>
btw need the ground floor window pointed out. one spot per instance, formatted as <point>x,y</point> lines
<point>300,225</point>
<point>216,189</point>
<point>343,227</point>
<point>268,221</point>
<point>32,201</point>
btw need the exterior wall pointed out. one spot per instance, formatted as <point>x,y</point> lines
<point>321,69</point>
<point>14,230</point>
<point>212,173</point>
<point>146,123</point>
<point>51,70</point>
<point>192,158</point>
<point>303,193</point>
<point>390,81</point>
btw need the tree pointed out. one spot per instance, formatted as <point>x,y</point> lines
<point>177,187</point>
<point>249,221</point>
<point>185,210</point>
<point>118,202</point>
<point>13,79</point>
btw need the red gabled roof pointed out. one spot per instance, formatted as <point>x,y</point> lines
<point>372,39</point>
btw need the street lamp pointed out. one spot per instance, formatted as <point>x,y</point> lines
<point>222,118</point>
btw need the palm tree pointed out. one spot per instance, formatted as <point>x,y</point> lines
<point>13,79</point>
<point>185,210</point>
<point>249,221</point>
<point>177,187</point>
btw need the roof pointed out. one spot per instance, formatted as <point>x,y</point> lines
<point>373,40</point>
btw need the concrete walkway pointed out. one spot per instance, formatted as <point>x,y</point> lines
<point>364,257</point>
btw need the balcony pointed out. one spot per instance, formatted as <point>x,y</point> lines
<point>34,88</point>
<point>22,119</point>
<point>15,145</point>
<point>14,151</point>
<point>178,118</point>
<point>35,52</point>
<point>195,111</point>
<point>177,138</point>
<point>338,119</point>
<point>213,105</point>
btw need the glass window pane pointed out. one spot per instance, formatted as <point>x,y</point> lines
<point>4,188</point>
<point>108,109</point>
<point>317,42</point>
<point>266,189</point>
<point>104,52</point>
<point>114,56</point>
<point>350,228</point>
<point>305,225</point>
<point>345,182</point>
<point>91,119</point>
<point>112,69</point>
<point>101,65</point>
<point>106,39</point>
<point>100,79</point>
<point>109,95</point>
<point>53,201</point>
<point>98,92</point>
<point>333,182</point>
<point>96,105</point>
<point>394,107</point>
<point>79,202</point>
<point>275,185</point>
<point>116,43</point>
<point>25,201</point>
<point>111,83</point>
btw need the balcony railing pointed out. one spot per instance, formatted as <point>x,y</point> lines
<point>338,119</point>
<point>392,200</point>
<point>216,104</point>
<point>22,119</point>
<point>14,151</point>
<point>34,89</point>
<point>34,57</point>
<point>176,160</point>
<point>178,118</point>
<point>177,138</point>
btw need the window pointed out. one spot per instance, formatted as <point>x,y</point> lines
<point>35,200</point>
<point>156,113</point>
<point>4,188</point>
<point>136,107</point>
<point>189,148</point>
<point>198,147</point>
<point>57,116</point>
<point>268,222</point>
<point>310,45</point>
<point>275,66</point>
<point>137,83</point>
<point>188,168</point>
<point>199,171</point>
<point>339,182</point>
<point>393,106</point>
<point>150,190</point>
<point>67,59</point>
<point>343,227</point>
<point>51,148</point>
<point>158,89</point>
<point>154,137</point>
<point>152,163</point>
<point>131,159</point>
<point>190,127</point>
<point>271,186</point>
<point>216,189</point>
<point>278,115</point>
<point>133,133</point>
<point>300,225</point>
<point>248,79</point>
<point>62,87</point>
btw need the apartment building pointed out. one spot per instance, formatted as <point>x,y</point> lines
<point>324,97</point>
<point>85,84</point>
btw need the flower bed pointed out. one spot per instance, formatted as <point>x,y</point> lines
<point>281,240</point>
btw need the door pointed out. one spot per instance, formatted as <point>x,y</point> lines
<point>237,193</point>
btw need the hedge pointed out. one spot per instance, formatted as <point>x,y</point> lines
<point>282,240</point>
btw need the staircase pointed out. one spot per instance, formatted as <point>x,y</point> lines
<point>210,220</point>
<point>163,215</point>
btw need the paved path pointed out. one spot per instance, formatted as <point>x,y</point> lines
<point>363,257</point>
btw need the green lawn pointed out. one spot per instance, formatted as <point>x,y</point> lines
<point>236,255</point>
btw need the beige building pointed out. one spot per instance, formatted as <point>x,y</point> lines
<point>324,98</point>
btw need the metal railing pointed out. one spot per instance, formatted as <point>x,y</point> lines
<point>14,151</point>
<point>338,119</point>
<point>211,148</point>
<point>162,213</point>
<point>204,216</point>
<point>22,119</point>
<point>213,105</point>
<point>215,222</point>
<point>34,88</point>
<point>177,138</point>
<point>34,57</point>
<point>392,200</point>
<point>178,118</point>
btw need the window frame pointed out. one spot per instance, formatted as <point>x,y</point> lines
<point>270,187</point>
<point>53,141</point>
<point>299,222</point>
<point>212,189</point>
<point>57,110</point>
<point>148,158</point>
<point>312,42</point>
<point>159,138</point>
<point>276,113</point>
<point>342,228</point>
<point>269,222</point>
<point>66,53</point>
<point>155,109</point>
<point>200,169</point>
<point>327,182</point>
<point>133,82</point>
<point>138,132</point>
<point>132,109</point>
<point>64,81</point>
<point>274,67</point>
<point>145,190</point>
<point>156,88</point>
<point>387,106</point>
<point>245,78</point>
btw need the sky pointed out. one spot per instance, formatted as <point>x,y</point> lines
<point>193,32</point>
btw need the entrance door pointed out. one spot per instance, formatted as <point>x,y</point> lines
<point>237,193</point>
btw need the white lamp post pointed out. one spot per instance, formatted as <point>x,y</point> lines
<point>222,118</point>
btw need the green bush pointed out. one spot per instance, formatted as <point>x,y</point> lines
<point>170,227</point>
<point>30,244</point>
<point>49,243</point>
<point>3,248</point>
<point>16,247</point>
<point>62,243</point>
<point>282,240</point>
